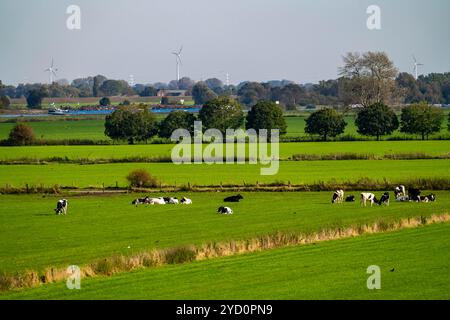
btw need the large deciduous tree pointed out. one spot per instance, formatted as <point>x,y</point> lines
<point>266,115</point>
<point>201,93</point>
<point>221,113</point>
<point>130,124</point>
<point>368,78</point>
<point>176,120</point>
<point>376,120</point>
<point>326,123</point>
<point>422,119</point>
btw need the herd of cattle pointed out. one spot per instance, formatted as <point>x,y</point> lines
<point>414,195</point>
<point>174,200</point>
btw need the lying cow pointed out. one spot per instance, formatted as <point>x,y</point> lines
<point>61,207</point>
<point>338,196</point>
<point>402,199</point>
<point>139,201</point>
<point>170,200</point>
<point>350,198</point>
<point>225,210</point>
<point>233,198</point>
<point>368,197</point>
<point>153,201</point>
<point>185,200</point>
<point>428,198</point>
<point>414,194</point>
<point>399,191</point>
<point>384,199</point>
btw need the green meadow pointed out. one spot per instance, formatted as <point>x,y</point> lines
<point>32,237</point>
<point>413,265</point>
<point>296,172</point>
<point>287,150</point>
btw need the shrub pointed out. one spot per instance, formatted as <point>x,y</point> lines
<point>4,101</point>
<point>21,134</point>
<point>180,255</point>
<point>141,178</point>
<point>104,102</point>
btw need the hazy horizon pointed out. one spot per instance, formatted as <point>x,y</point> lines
<point>255,40</point>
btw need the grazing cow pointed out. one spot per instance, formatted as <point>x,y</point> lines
<point>402,199</point>
<point>225,210</point>
<point>350,198</point>
<point>153,201</point>
<point>384,199</point>
<point>399,191</point>
<point>233,198</point>
<point>139,201</point>
<point>61,207</point>
<point>368,197</point>
<point>414,194</point>
<point>185,200</point>
<point>428,198</point>
<point>338,196</point>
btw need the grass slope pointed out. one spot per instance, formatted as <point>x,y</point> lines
<point>297,172</point>
<point>32,237</point>
<point>328,270</point>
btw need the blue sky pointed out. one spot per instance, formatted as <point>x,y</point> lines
<point>250,39</point>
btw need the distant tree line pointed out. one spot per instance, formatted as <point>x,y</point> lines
<point>134,124</point>
<point>364,79</point>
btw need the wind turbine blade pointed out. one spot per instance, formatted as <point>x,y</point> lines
<point>414,58</point>
<point>181,49</point>
<point>52,63</point>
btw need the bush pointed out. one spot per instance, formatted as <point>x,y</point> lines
<point>104,102</point>
<point>34,98</point>
<point>141,178</point>
<point>21,135</point>
<point>4,101</point>
<point>180,255</point>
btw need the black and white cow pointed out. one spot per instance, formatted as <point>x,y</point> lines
<point>233,198</point>
<point>414,194</point>
<point>61,207</point>
<point>170,200</point>
<point>338,196</point>
<point>399,191</point>
<point>139,201</point>
<point>225,210</point>
<point>350,198</point>
<point>185,200</point>
<point>384,199</point>
<point>428,198</point>
<point>366,196</point>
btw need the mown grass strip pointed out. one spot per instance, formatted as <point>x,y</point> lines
<point>158,257</point>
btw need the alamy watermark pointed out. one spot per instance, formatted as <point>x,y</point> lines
<point>374,280</point>
<point>374,20</point>
<point>263,148</point>
<point>74,278</point>
<point>73,22</point>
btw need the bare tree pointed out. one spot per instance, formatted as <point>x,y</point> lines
<point>367,78</point>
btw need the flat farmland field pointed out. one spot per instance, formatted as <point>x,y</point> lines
<point>296,172</point>
<point>32,237</point>
<point>413,265</point>
<point>287,150</point>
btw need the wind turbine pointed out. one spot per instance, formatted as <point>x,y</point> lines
<point>178,61</point>
<point>416,65</point>
<point>51,71</point>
